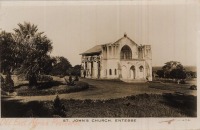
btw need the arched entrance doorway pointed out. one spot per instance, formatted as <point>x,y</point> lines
<point>132,72</point>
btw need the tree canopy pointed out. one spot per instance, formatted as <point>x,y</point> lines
<point>27,52</point>
<point>61,66</point>
<point>32,50</point>
<point>172,69</point>
<point>7,51</point>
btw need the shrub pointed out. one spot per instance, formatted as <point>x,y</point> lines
<point>80,86</point>
<point>76,78</point>
<point>7,84</point>
<point>70,82</point>
<point>58,107</point>
<point>46,91</point>
<point>193,87</point>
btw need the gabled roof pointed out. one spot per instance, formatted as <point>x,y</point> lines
<point>125,36</point>
<point>96,49</point>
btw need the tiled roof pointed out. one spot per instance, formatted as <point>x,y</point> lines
<point>95,49</point>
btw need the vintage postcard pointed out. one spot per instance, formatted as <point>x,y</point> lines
<point>100,64</point>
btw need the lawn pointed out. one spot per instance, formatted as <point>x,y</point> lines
<point>142,105</point>
<point>107,98</point>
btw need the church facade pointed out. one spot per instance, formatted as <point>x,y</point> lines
<point>123,59</point>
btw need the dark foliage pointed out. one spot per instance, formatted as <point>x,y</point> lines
<point>191,74</point>
<point>61,66</point>
<point>15,108</point>
<point>160,73</point>
<point>7,52</point>
<point>70,82</point>
<point>7,84</point>
<point>45,89</point>
<point>143,105</point>
<point>178,74</point>
<point>186,103</point>
<point>193,87</point>
<point>76,70</point>
<point>58,107</point>
<point>32,52</point>
<point>7,59</point>
<point>76,78</point>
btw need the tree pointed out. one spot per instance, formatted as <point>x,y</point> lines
<point>178,74</point>
<point>169,66</point>
<point>160,73</point>
<point>61,66</point>
<point>32,51</point>
<point>7,46</point>
<point>76,70</point>
<point>7,57</point>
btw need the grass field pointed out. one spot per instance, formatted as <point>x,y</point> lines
<point>107,98</point>
<point>143,105</point>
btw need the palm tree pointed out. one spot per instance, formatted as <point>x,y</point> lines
<point>32,51</point>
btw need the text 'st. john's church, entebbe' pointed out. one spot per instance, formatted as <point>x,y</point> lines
<point>123,59</point>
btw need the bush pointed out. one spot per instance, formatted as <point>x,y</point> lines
<point>58,107</point>
<point>76,78</point>
<point>70,82</point>
<point>80,86</point>
<point>7,84</point>
<point>193,87</point>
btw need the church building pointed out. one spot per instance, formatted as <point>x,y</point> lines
<point>123,59</point>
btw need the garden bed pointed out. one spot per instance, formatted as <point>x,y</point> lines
<point>47,90</point>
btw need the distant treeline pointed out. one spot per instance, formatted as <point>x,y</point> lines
<point>174,70</point>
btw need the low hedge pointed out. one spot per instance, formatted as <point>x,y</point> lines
<point>80,86</point>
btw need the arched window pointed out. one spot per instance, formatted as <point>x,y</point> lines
<point>141,68</point>
<point>110,71</point>
<point>126,52</point>
<point>115,71</point>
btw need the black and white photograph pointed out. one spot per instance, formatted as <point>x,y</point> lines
<point>99,62</point>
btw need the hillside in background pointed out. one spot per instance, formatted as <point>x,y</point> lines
<point>188,68</point>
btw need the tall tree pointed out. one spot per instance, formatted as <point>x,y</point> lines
<point>76,70</point>
<point>178,74</point>
<point>169,66</point>
<point>7,57</point>
<point>33,50</point>
<point>61,66</point>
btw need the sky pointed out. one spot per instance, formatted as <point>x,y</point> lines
<point>171,28</point>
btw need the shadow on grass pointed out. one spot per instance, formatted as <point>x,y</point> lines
<point>52,88</point>
<point>15,108</point>
<point>43,85</point>
<point>143,105</point>
<point>187,104</point>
